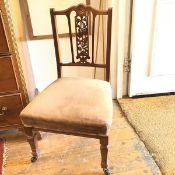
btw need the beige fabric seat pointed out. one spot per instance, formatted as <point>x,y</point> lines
<point>73,105</point>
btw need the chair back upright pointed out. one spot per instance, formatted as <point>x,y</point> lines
<point>84,27</point>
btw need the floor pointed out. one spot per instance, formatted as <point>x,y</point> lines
<point>70,155</point>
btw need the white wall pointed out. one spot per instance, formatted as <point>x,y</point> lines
<point>43,62</point>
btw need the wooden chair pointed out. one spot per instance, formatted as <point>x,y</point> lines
<point>74,106</point>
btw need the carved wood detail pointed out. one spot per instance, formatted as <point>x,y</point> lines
<point>82,38</point>
<point>82,30</point>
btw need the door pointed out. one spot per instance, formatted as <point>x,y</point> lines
<point>152,47</point>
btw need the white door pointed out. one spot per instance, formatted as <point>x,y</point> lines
<point>152,47</point>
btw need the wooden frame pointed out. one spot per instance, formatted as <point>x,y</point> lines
<point>32,132</point>
<point>31,34</point>
<point>81,10</point>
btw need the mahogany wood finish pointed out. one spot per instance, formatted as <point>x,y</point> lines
<point>32,139</point>
<point>7,78</point>
<point>12,97</point>
<point>104,154</point>
<point>12,106</point>
<point>3,44</point>
<point>81,59</point>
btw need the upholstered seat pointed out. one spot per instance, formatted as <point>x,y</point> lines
<point>75,105</point>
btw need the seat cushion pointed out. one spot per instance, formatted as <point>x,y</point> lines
<point>72,105</point>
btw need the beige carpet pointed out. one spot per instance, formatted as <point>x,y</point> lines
<point>154,120</point>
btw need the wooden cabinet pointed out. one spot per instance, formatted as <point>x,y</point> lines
<point>11,105</point>
<point>3,41</point>
<point>13,93</point>
<point>7,75</point>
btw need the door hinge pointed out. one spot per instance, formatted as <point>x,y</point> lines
<point>127,65</point>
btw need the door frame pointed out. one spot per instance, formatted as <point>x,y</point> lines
<point>120,48</point>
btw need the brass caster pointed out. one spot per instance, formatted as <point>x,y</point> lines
<point>107,171</point>
<point>34,159</point>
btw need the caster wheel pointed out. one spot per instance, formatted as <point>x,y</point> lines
<point>34,159</point>
<point>107,171</point>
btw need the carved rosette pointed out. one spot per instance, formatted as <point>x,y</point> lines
<point>82,38</point>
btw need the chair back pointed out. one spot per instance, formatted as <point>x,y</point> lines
<point>84,28</point>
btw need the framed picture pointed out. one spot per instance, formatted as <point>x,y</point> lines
<point>37,14</point>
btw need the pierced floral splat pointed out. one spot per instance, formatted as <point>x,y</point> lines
<point>85,22</point>
<point>82,38</point>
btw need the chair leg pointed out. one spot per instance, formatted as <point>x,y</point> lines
<point>104,155</point>
<point>38,134</point>
<point>32,139</point>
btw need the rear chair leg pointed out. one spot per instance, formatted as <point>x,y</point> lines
<point>38,135</point>
<point>32,139</point>
<point>104,155</point>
